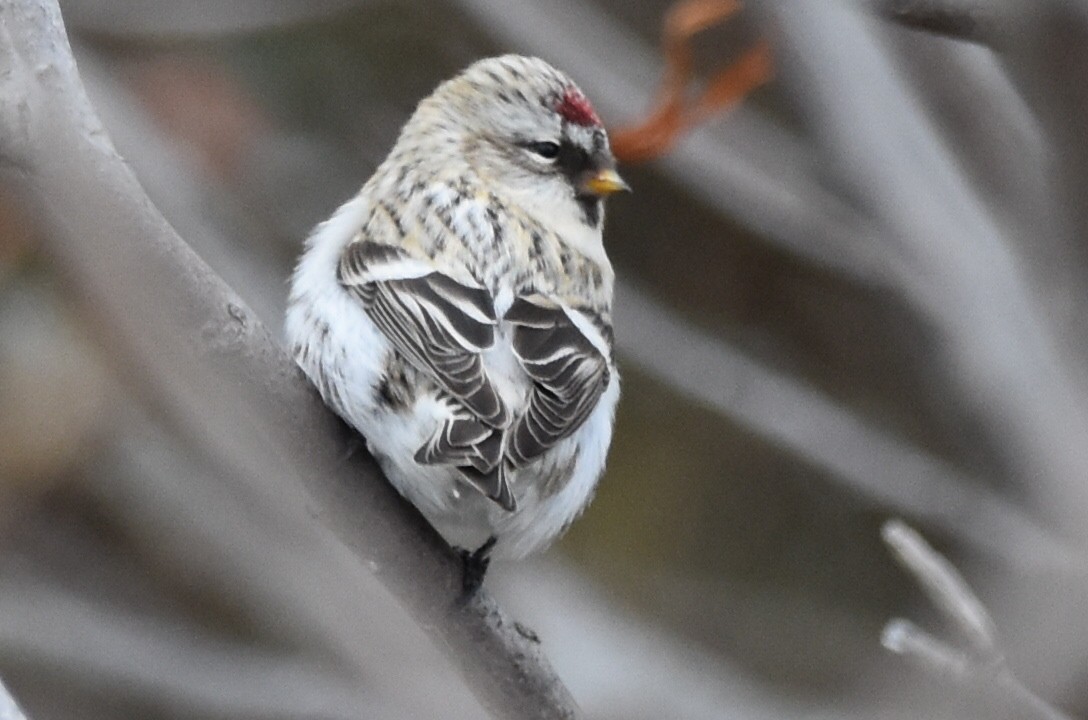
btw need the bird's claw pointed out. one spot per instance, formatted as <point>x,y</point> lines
<point>474,564</point>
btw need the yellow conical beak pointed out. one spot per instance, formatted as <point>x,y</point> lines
<point>606,182</point>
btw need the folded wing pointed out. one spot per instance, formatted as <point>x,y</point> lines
<point>440,326</point>
<point>570,372</point>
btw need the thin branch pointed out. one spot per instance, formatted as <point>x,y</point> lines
<point>677,109</point>
<point>1004,25</point>
<point>192,342</point>
<point>981,665</point>
<point>945,587</point>
<point>903,637</point>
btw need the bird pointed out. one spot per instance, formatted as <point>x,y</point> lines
<point>457,311</point>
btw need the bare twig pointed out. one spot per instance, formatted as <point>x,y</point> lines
<point>946,588</point>
<point>195,345</point>
<point>980,665</point>
<point>674,112</point>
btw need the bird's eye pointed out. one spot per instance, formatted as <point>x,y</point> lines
<point>545,149</point>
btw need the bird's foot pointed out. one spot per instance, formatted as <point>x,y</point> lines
<point>353,445</point>
<point>474,567</point>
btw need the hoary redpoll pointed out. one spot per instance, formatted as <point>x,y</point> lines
<point>458,310</point>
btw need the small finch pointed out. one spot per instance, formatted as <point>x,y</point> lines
<point>458,310</point>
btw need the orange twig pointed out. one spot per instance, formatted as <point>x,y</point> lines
<point>674,112</point>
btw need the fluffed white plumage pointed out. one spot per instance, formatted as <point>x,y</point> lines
<point>457,312</point>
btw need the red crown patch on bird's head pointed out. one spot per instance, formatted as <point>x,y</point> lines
<point>575,108</point>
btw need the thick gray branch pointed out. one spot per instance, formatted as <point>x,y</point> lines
<point>191,343</point>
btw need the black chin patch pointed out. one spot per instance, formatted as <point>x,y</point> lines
<point>577,164</point>
<point>590,206</point>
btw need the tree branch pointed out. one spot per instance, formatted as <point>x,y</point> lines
<point>192,344</point>
<point>980,664</point>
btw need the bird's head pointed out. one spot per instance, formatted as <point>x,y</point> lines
<point>525,127</point>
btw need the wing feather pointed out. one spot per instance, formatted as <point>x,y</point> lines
<point>569,373</point>
<point>441,326</point>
